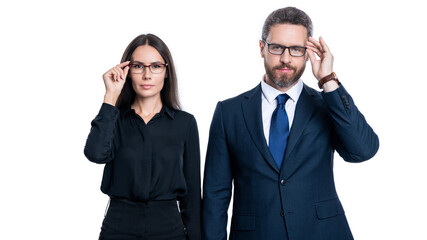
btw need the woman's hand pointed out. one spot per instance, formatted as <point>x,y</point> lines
<point>114,80</point>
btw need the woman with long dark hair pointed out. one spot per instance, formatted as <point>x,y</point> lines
<point>150,149</point>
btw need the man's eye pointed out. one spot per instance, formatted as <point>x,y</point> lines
<point>276,47</point>
<point>297,49</point>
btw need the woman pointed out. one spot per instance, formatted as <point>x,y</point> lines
<point>150,148</point>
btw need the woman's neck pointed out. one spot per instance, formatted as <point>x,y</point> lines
<point>147,107</point>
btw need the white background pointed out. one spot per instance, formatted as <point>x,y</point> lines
<point>53,53</point>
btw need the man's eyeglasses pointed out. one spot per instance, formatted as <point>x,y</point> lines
<point>138,68</point>
<point>277,49</point>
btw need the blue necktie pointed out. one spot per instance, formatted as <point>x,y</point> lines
<point>279,130</point>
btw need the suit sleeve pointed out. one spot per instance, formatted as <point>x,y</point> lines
<point>353,138</point>
<point>99,143</point>
<point>190,205</point>
<point>217,183</point>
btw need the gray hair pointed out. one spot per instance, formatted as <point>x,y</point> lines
<point>290,15</point>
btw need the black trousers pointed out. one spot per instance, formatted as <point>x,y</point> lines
<point>155,220</point>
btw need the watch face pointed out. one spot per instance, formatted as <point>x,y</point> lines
<point>330,77</point>
<point>335,76</point>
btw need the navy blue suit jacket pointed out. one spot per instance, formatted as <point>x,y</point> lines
<point>298,201</point>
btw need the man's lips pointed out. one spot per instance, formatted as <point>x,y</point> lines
<point>284,70</point>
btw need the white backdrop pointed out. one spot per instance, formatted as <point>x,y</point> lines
<point>53,53</point>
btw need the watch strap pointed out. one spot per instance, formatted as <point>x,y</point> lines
<point>330,77</point>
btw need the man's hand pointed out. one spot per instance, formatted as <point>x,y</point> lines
<point>323,66</point>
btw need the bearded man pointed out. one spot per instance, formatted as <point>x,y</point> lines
<point>276,143</point>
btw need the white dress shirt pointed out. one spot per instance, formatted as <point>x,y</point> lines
<point>269,104</point>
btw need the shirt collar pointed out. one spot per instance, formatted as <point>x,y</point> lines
<point>165,110</point>
<point>270,93</point>
<point>169,111</point>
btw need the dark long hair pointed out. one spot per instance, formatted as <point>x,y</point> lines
<point>169,92</point>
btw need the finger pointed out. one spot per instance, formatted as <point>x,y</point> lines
<point>324,46</point>
<point>311,56</point>
<point>106,76</point>
<point>112,75</point>
<point>315,43</point>
<point>315,64</point>
<point>314,49</point>
<point>122,73</point>
<point>123,64</point>
<point>309,44</point>
<point>116,74</point>
<point>310,41</point>
<point>126,71</point>
<point>119,71</point>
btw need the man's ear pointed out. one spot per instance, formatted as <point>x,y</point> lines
<point>261,48</point>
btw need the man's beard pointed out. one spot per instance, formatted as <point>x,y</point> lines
<point>284,81</point>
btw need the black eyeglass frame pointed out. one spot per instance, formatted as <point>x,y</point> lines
<point>284,48</point>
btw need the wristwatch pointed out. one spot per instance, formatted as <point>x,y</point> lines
<point>330,77</point>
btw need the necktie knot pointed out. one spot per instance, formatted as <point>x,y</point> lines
<point>282,98</point>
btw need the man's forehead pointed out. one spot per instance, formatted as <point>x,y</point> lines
<point>289,33</point>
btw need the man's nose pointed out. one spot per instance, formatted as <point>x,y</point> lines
<point>286,57</point>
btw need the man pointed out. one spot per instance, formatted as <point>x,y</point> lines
<point>277,149</point>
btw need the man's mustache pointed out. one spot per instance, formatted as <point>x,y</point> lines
<point>284,66</point>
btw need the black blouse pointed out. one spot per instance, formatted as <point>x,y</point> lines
<point>159,160</point>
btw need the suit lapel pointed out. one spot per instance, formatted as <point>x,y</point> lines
<point>303,112</point>
<point>253,119</point>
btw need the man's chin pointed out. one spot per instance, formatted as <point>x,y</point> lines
<point>285,77</point>
<point>284,82</point>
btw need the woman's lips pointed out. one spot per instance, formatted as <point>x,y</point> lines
<point>146,86</point>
